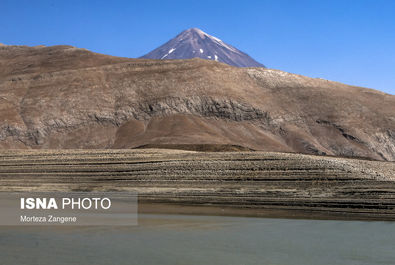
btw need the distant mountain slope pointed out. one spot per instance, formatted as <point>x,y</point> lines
<point>65,97</point>
<point>194,43</point>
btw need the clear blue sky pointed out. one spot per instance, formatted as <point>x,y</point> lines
<point>351,41</point>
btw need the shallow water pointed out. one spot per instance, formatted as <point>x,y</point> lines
<point>183,239</point>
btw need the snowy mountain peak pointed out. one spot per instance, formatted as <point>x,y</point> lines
<point>194,42</point>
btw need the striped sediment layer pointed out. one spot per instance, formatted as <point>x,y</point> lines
<point>250,181</point>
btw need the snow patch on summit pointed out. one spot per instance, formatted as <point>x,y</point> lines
<point>216,40</point>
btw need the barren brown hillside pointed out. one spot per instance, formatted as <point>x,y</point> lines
<point>64,97</point>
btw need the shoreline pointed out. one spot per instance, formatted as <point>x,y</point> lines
<point>225,210</point>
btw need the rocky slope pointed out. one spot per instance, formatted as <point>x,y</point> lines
<point>194,43</point>
<point>64,97</point>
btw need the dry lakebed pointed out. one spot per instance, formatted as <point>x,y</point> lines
<point>217,183</point>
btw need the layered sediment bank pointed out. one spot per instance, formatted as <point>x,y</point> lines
<point>243,183</point>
